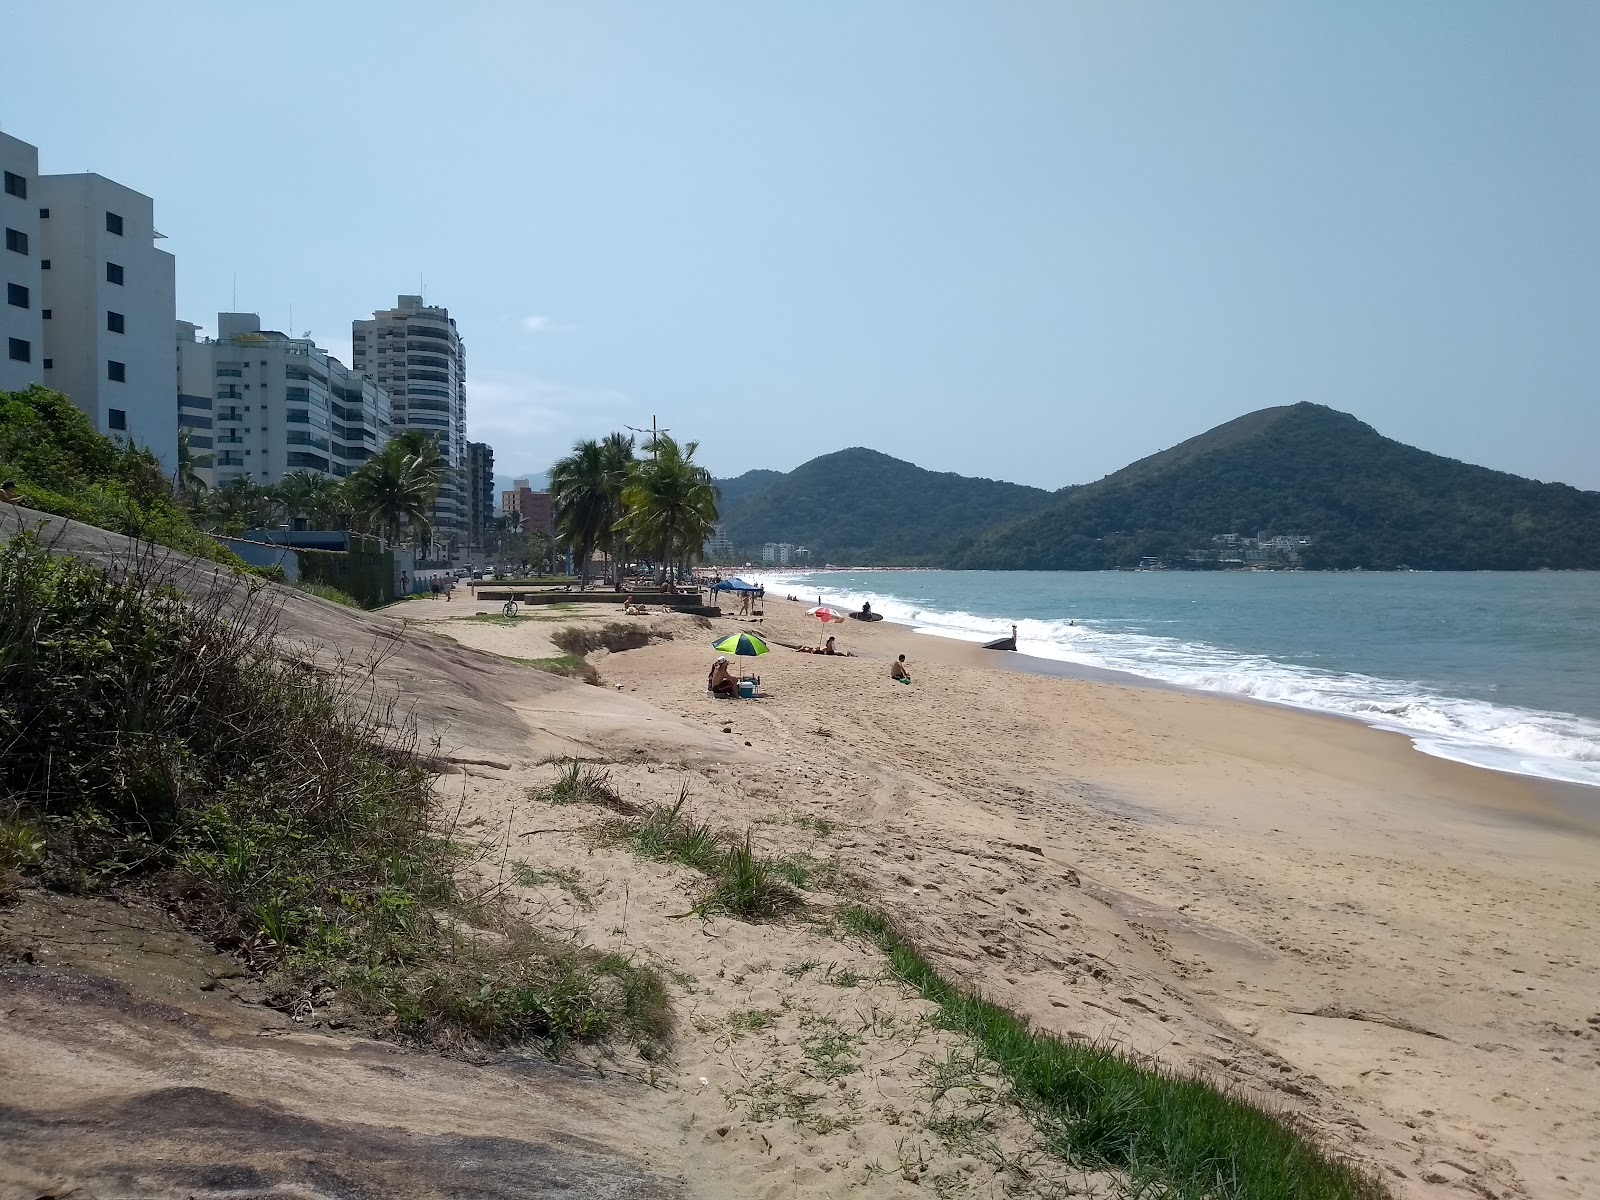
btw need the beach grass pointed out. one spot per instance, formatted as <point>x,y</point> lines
<point>1172,1135</point>
<point>164,747</point>
<point>326,591</point>
<point>740,882</point>
<point>579,782</point>
<point>572,666</point>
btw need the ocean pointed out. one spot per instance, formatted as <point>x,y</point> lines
<point>1498,670</point>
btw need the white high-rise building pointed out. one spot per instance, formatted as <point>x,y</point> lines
<point>416,355</point>
<point>22,314</point>
<point>272,405</point>
<point>110,301</point>
<point>90,300</point>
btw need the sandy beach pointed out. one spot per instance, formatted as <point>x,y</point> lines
<point>1399,949</point>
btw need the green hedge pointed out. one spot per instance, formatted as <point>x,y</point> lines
<point>364,571</point>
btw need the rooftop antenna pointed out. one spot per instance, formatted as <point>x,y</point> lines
<point>236,291</point>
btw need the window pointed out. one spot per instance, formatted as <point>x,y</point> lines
<point>115,323</point>
<point>48,313</point>
<point>16,186</point>
<point>116,372</point>
<point>114,273</point>
<point>16,240</point>
<point>44,214</point>
<point>44,264</point>
<point>117,418</point>
<point>113,224</point>
<point>17,294</point>
<point>21,351</point>
<point>49,363</point>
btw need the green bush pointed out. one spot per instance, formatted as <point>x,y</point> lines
<point>162,745</point>
<point>63,467</point>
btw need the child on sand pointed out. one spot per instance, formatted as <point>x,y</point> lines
<point>897,670</point>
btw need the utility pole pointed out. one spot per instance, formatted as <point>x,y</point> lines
<point>654,433</point>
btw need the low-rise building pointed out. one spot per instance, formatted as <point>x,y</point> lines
<point>535,508</point>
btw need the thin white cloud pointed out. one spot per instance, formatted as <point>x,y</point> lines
<point>547,326</point>
<point>532,421</point>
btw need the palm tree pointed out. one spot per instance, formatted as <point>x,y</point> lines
<point>616,454</point>
<point>396,489</point>
<point>186,480</point>
<point>580,489</point>
<point>670,500</point>
<point>310,495</point>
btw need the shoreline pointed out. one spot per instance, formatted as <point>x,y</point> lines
<point>1237,888</point>
<point>1580,798</point>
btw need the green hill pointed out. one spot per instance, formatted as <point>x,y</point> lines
<point>1363,499</point>
<point>860,506</point>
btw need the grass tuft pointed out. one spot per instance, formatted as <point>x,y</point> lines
<point>581,783</point>
<point>747,886</point>
<point>326,591</point>
<point>1180,1135</point>
<point>573,666</point>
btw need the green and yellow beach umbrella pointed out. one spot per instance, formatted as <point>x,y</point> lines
<point>745,644</point>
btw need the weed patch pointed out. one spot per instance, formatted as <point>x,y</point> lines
<point>739,882</point>
<point>325,591</point>
<point>1182,1136</point>
<point>167,747</point>
<point>564,878</point>
<point>581,783</point>
<point>572,666</point>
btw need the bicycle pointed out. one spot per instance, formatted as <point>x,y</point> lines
<point>509,609</point>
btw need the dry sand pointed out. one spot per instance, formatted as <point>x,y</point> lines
<point>1399,949</point>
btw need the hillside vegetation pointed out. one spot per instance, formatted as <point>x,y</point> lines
<point>860,506</point>
<point>1364,500</point>
<point>62,466</point>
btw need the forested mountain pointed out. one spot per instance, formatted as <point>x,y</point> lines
<point>1363,499</point>
<point>860,506</point>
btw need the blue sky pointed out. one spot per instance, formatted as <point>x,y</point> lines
<point>1029,241</point>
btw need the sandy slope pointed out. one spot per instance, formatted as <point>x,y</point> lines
<point>1401,948</point>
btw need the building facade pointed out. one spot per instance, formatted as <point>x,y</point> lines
<point>416,355</point>
<point>480,493</point>
<point>277,404</point>
<point>89,299</point>
<point>22,314</point>
<point>536,509</point>
<point>110,302</point>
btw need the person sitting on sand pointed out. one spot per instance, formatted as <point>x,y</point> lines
<point>897,670</point>
<point>631,609</point>
<point>721,681</point>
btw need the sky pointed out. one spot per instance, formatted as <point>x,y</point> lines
<point>1030,241</point>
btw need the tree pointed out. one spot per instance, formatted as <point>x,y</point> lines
<point>186,480</point>
<point>616,454</point>
<point>581,492</point>
<point>316,497</point>
<point>396,489</point>
<point>670,501</point>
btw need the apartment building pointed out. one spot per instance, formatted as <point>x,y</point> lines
<point>109,303</point>
<point>535,508</point>
<point>416,354</point>
<point>274,404</point>
<point>480,492</point>
<point>22,315</point>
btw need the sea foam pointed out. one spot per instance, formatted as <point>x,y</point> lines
<point>1549,745</point>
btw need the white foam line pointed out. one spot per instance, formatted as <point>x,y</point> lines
<point>1546,745</point>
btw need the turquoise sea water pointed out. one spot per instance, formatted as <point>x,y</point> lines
<point>1499,670</point>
